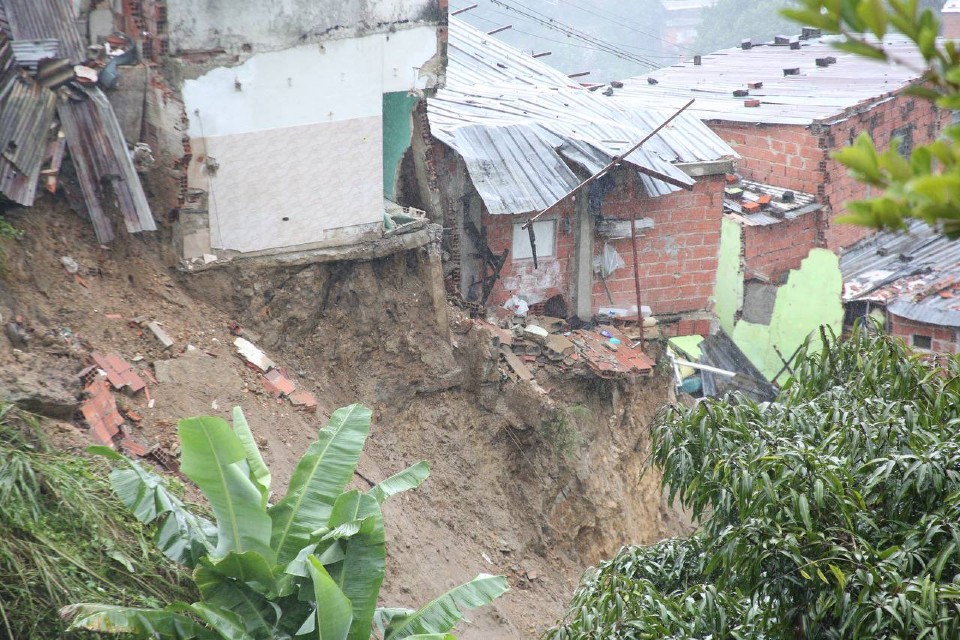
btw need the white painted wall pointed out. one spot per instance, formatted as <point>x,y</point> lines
<point>299,141</point>
<point>280,24</point>
<point>329,82</point>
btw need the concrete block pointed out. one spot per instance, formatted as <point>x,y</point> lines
<point>99,24</point>
<point>196,244</point>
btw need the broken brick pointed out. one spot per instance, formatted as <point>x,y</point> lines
<point>304,400</point>
<point>119,372</point>
<point>278,383</point>
<point>100,412</point>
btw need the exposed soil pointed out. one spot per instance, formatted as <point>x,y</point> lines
<point>535,481</point>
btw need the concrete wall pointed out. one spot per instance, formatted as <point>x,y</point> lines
<point>289,144</point>
<point>254,25</point>
<point>799,158</point>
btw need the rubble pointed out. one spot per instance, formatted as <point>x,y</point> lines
<point>100,411</point>
<point>119,372</point>
<point>253,356</point>
<point>160,334</point>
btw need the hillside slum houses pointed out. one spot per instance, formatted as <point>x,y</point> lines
<point>271,129</point>
<point>511,137</point>
<point>785,107</point>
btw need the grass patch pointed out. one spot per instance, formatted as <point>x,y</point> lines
<point>65,538</point>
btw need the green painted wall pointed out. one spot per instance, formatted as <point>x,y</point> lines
<point>397,132</point>
<point>811,297</point>
<point>728,295</point>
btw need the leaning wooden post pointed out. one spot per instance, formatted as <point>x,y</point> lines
<point>636,274</point>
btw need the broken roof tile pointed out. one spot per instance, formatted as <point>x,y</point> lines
<point>119,372</point>
<point>100,412</point>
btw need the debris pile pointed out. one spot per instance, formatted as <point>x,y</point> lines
<point>276,380</point>
<point>526,344</point>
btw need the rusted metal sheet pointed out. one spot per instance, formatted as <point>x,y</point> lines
<point>26,114</point>
<point>915,274</point>
<point>46,20</point>
<point>515,120</point>
<point>29,53</point>
<point>103,164</point>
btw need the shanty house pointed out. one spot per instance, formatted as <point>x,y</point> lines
<point>513,137</point>
<point>785,107</point>
<point>910,281</point>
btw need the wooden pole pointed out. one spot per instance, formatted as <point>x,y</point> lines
<point>636,273</point>
<point>617,160</point>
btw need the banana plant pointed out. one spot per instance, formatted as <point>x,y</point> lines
<point>310,565</point>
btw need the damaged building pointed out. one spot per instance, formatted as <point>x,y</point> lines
<point>265,130</point>
<point>785,107</point>
<point>512,137</point>
<point>53,108</point>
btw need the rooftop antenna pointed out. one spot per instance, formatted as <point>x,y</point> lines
<point>464,10</point>
<point>499,29</point>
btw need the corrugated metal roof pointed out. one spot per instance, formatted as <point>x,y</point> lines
<point>26,113</point>
<point>777,210</point>
<point>815,94</point>
<point>101,157</point>
<point>46,20</point>
<point>499,89</point>
<point>916,274</point>
<point>720,351</point>
<point>30,52</point>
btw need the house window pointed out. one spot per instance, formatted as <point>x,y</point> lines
<point>905,133</point>
<point>545,232</point>
<point>922,342</point>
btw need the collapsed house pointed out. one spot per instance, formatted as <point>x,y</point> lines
<point>785,107</point>
<point>513,137</point>
<point>52,108</point>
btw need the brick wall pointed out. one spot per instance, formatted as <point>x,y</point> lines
<point>678,257</point>
<point>787,156</point>
<point>917,120</point>
<point>771,251</point>
<point>943,339</point>
<point>798,157</point>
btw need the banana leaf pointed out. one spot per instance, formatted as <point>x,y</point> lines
<point>410,478</point>
<point>443,613</point>
<point>318,480</point>
<point>259,473</point>
<point>171,623</point>
<point>213,457</point>
<point>334,610</point>
<point>181,536</point>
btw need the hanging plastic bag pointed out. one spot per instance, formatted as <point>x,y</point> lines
<point>518,306</point>
<point>608,262</point>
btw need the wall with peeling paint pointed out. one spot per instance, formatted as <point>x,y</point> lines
<point>254,25</point>
<point>289,144</point>
<point>810,297</point>
<point>728,294</point>
<point>397,134</point>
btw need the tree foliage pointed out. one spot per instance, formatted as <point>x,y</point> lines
<point>310,565</point>
<point>926,183</point>
<point>729,22</point>
<point>831,513</point>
